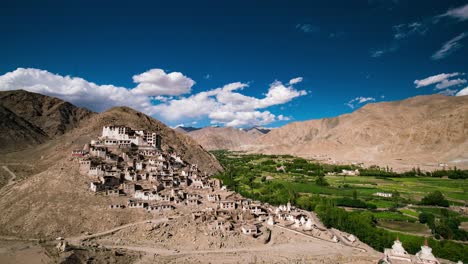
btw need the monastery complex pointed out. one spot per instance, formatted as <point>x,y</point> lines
<point>131,165</point>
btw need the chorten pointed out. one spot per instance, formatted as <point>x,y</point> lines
<point>425,256</point>
<point>308,225</point>
<point>397,254</point>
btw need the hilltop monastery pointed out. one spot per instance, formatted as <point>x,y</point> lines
<point>131,164</point>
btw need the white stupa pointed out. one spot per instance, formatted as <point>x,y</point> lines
<point>303,221</point>
<point>270,220</point>
<point>425,256</point>
<point>397,254</point>
<point>308,225</point>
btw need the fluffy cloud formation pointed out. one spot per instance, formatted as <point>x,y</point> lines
<point>228,107</point>
<point>73,89</point>
<point>225,105</point>
<point>449,47</point>
<point>463,92</point>
<point>359,100</point>
<point>156,82</point>
<point>460,13</point>
<point>435,79</point>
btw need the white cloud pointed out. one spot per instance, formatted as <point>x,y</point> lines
<point>449,92</point>
<point>460,13</point>
<point>377,53</point>
<point>73,89</point>
<point>295,80</point>
<point>359,100</point>
<point>284,118</point>
<point>157,82</point>
<point>462,92</point>
<point>434,79</point>
<point>225,105</point>
<point>449,47</point>
<point>448,83</point>
<point>307,28</point>
<point>405,30</point>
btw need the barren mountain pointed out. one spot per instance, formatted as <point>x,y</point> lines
<point>212,138</point>
<point>54,116</point>
<point>420,131</point>
<point>50,198</point>
<point>186,129</point>
<point>15,132</point>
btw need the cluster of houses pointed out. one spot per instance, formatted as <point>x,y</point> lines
<point>129,163</point>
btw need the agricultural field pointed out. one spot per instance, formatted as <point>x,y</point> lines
<point>277,179</point>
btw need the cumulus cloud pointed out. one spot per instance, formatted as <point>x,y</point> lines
<point>435,79</point>
<point>449,47</point>
<point>462,92</point>
<point>156,82</point>
<point>359,100</point>
<point>73,89</point>
<point>284,118</point>
<point>226,106</point>
<point>153,95</point>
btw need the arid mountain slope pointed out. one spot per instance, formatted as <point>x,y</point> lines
<point>14,129</point>
<point>419,131</point>
<point>212,138</point>
<point>54,116</point>
<point>55,200</point>
<point>186,129</point>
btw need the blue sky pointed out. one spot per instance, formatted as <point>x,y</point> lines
<point>364,51</point>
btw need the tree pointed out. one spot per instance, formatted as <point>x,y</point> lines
<point>354,194</point>
<point>321,181</point>
<point>435,198</point>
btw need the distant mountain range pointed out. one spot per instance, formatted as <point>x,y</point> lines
<point>423,131</point>
<point>212,138</point>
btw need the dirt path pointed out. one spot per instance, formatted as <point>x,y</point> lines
<point>11,181</point>
<point>77,240</point>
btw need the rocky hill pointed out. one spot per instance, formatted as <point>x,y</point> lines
<point>212,138</point>
<point>186,129</point>
<point>50,198</point>
<point>420,131</point>
<point>16,132</point>
<point>42,118</point>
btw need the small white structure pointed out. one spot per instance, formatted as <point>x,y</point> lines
<point>308,225</point>
<point>382,194</point>
<point>250,230</point>
<point>271,220</point>
<point>397,253</point>
<point>425,256</point>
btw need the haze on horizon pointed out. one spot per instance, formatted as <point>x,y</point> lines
<point>235,64</point>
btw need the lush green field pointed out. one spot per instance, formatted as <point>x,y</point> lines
<point>315,186</point>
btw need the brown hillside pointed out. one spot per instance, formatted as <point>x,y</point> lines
<point>54,200</point>
<point>420,131</point>
<point>54,116</point>
<point>16,133</point>
<point>212,138</point>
